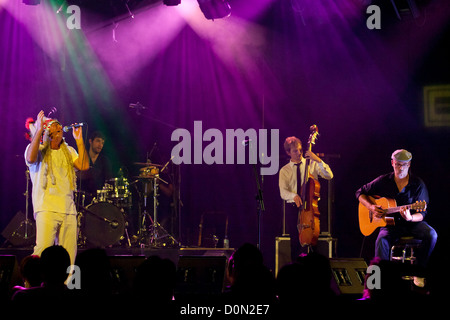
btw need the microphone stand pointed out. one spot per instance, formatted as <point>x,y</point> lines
<point>259,204</point>
<point>112,223</point>
<point>138,106</point>
<point>27,196</point>
<point>26,225</point>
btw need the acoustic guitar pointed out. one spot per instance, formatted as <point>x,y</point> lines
<point>369,222</point>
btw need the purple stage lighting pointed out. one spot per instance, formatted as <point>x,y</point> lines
<point>215,9</point>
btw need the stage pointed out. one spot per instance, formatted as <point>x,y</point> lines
<point>185,122</point>
<point>173,254</point>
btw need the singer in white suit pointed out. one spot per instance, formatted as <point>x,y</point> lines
<point>52,164</point>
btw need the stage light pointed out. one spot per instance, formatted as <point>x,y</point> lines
<point>31,2</point>
<point>171,2</point>
<point>215,9</point>
<point>405,7</point>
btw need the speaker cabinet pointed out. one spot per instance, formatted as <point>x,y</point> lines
<point>20,232</point>
<point>326,246</point>
<point>123,271</point>
<point>203,275</point>
<point>282,252</point>
<point>348,275</point>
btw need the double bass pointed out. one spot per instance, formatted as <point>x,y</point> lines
<point>308,221</point>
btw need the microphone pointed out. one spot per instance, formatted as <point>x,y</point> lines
<point>137,106</point>
<point>114,224</point>
<point>75,125</point>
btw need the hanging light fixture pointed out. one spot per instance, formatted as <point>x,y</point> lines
<point>215,9</point>
<point>171,2</point>
<point>31,2</point>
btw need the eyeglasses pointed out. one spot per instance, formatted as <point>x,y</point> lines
<point>401,165</point>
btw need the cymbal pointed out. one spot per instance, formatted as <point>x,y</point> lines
<point>117,179</point>
<point>146,177</point>
<point>148,168</point>
<point>147,164</point>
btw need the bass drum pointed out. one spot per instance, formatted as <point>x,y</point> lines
<point>103,225</point>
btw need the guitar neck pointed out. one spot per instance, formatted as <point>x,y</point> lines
<point>397,209</point>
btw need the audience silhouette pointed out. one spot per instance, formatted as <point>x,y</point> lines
<point>95,268</point>
<point>305,283</point>
<point>155,280</point>
<point>54,264</point>
<point>251,280</point>
<point>30,271</point>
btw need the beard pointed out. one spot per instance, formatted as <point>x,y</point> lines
<point>402,174</point>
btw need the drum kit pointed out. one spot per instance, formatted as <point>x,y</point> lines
<point>104,221</point>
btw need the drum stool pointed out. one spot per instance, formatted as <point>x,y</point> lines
<point>404,244</point>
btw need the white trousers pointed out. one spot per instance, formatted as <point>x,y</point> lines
<point>56,228</point>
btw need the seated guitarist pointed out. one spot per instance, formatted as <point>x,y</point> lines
<point>406,189</point>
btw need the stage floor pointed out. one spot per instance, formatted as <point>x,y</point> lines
<point>165,253</point>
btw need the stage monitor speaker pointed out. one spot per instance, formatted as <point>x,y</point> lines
<point>20,232</point>
<point>282,252</point>
<point>123,271</point>
<point>201,275</point>
<point>9,275</point>
<point>348,275</point>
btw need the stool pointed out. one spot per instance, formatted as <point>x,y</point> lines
<point>405,243</point>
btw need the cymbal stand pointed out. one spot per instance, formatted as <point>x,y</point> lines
<point>81,238</point>
<point>144,216</point>
<point>27,197</point>
<point>159,237</point>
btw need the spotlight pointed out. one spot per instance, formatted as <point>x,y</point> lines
<point>171,2</point>
<point>31,2</point>
<point>215,9</point>
<point>405,7</point>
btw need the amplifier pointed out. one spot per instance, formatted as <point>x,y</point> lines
<point>282,252</point>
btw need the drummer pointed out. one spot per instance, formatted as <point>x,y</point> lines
<point>99,168</point>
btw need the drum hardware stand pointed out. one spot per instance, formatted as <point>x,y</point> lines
<point>150,232</point>
<point>81,238</point>
<point>154,235</point>
<point>143,217</point>
<point>155,225</point>
<point>127,235</point>
<point>124,213</point>
<point>158,232</point>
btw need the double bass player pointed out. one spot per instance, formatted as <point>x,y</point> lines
<point>290,189</point>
